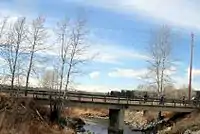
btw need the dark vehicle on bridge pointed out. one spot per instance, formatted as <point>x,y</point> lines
<point>133,94</point>
<point>122,94</point>
<point>196,98</point>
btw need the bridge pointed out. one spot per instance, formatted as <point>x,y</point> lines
<point>115,105</point>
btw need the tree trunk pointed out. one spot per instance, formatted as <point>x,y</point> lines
<point>14,67</point>
<point>29,69</point>
<point>68,75</point>
<point>61,77</point>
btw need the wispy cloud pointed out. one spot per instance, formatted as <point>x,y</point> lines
<point>182,13</point>
<point>195,72</point>
<point>103,53</point>
<point>136,73</point>
<point>94,75</point>
<point>99,88</point>
<point>113,53</point>
<point>127,73</point>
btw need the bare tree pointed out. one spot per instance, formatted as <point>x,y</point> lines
<point>11,49</point>
<point>37,35</point>
<point>2,45</point>
<point>77,50</point>
<point>64,39</point>
<point>56,84</point>
<point>19,34</point>
<point>160,58</point>
<point>49,79</point>
<point>2,29</point>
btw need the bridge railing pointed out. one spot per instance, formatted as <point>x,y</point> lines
<point>100,98</point>
<point>114,100</point>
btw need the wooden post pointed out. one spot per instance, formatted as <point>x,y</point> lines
<point>191,61</point>
<point>79,98</point>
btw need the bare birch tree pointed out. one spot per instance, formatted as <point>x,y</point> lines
<point>4,23</point>
<point>49,79</point>
<point>76,50</point>
<point>160,60</point>
<point>37,35</point>
<point>64,39</point>
<point>2,29</point>
<point>11,50</point>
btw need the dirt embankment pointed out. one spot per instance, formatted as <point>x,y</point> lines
<point>137,119</point>
<point>25,117</point>
<point>189,123</point>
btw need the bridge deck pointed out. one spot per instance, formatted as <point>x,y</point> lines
<point>90,100</point>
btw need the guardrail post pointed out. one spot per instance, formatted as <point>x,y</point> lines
<point>92,99</point>
<point>127,100</point>
<point>139,101</point>
<point>33,95</point>
<point>118,99</point>
<point>79,98</point>
<point>104,98</point>
<point>174,103</point>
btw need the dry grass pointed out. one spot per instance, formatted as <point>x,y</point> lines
<point>85,112</point>
<point>25,118</point>
<point>191,122</point>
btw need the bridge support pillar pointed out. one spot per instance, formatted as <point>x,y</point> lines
<point>116,121</point>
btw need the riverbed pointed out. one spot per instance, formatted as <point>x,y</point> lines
<point>99,126</point>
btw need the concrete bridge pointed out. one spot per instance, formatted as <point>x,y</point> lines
<point>115,105</point>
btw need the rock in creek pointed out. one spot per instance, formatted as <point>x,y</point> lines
<point>76,123</point>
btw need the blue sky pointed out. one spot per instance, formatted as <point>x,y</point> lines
<point>120,31</point>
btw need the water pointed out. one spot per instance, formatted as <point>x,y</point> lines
<point>99,126</point>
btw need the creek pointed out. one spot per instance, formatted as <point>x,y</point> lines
<point>99,126</point>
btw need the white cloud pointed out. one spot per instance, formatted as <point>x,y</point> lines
<point>104,53</point>
<point>99,88</point>
<point>110,53</point>
<point>195,72</point>
<point>33,82</point>
<point>172,70</point>
<point>94,75</point>
<point>127,73</point>
<point>2,61</point>
<point>182,13</point>
<point>181,81</point>
<point>135,73</point>
<point>184,79</point>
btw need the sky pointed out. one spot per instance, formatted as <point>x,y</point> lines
<point>119,31</point>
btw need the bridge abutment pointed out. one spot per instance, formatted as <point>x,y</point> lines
<point>116,121</point>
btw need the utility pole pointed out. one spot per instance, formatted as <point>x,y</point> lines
<point>191,62</point>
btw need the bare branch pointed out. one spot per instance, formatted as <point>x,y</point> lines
<point>160,51</point>
<point>36,37</point>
